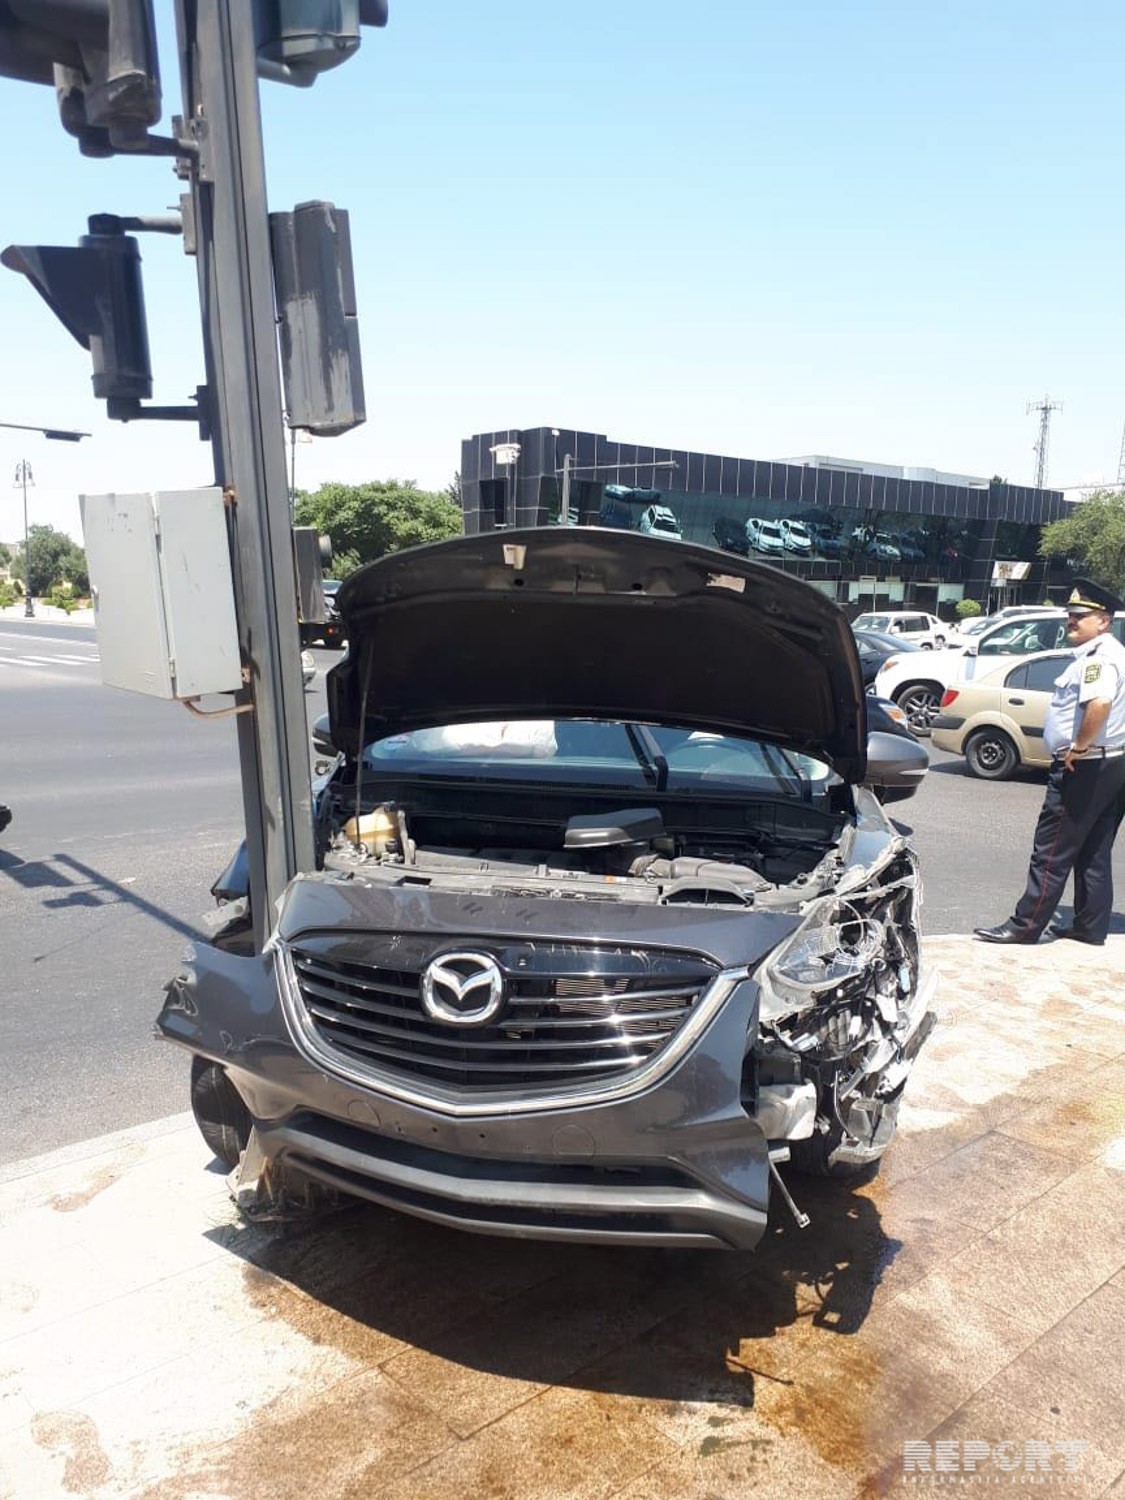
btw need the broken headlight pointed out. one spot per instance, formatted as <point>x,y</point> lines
<point>831,955</point>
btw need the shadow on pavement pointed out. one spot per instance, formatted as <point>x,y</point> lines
<point>1027,775</point>
<point>82,886</point>
<point>669,1325</point>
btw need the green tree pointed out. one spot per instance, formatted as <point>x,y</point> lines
<point>55,560</point>
<point>967,609</point>
<point>1093,537</point>
<point>343,563</point>
<point>385,515</point>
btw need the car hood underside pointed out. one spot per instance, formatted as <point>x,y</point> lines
<point>576,622</point>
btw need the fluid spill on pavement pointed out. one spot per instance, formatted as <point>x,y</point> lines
<point>316,1321</point>
<point>337,1442</point>
<point>68,1203</point>
<point>791,1325</point>
<point>331,1443</point>
<point>71,1436</point>
<point>1097,1114</point>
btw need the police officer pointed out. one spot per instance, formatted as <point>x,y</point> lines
<point>1085,732</point>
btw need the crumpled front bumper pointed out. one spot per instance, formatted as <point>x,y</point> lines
<point>680,1162</point>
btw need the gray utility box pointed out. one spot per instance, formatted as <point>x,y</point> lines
<point>160,578</point>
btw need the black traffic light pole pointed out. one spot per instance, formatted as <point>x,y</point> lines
<point>232,244</point>
<point>101,57</point>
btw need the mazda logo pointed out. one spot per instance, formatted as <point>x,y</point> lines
<point>462,989</point>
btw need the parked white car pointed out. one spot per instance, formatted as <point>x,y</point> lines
<point>965,632</point>
<point>764,536</point>
<point>658,520</point>
<point>916,681</point>
<point>795,537</point>
<point>913,625</point>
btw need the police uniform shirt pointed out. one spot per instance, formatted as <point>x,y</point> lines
<point>1097,671</point>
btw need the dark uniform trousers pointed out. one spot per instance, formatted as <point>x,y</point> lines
<point>1075,832</point>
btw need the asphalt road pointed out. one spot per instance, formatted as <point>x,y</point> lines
<point>127,808</point>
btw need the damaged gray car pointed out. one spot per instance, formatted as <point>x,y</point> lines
<point>607,920</point>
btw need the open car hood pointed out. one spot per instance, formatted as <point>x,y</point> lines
<point>585,623</point>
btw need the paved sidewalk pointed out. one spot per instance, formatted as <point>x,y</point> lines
<point>50,613</point>
<point>75,617</point>
<point>974,1292</point>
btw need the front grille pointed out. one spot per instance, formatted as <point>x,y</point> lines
<point>572,1015</point>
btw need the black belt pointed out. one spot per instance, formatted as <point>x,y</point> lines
<point>1095,752</point>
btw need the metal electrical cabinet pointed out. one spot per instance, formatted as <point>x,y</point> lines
<point>160,579</point>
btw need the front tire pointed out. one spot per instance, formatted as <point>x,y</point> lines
<point>991,755</point>
<point>920,703</point>
<point>818,1157</point>
<point>223,1119</point>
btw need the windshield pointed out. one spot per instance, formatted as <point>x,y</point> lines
<point>1023,637</point>
<point>871,622</point>
<point>595,753</point>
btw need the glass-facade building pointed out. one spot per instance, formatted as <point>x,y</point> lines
<point>867,539</point>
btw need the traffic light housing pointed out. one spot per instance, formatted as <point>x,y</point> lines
<point>314,292</point>
<point>101,57</point>
<point>297,40</point>
<point>95,291</point>
<point>312,553</point>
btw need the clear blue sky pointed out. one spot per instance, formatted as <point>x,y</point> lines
<point>756,227</point>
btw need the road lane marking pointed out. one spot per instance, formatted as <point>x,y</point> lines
<point>30,648</point>
<point>26,638</point>
<point>38,662</point>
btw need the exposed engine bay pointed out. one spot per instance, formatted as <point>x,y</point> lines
<point>686,850</point>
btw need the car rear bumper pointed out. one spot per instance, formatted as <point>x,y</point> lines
<point>946,738</point>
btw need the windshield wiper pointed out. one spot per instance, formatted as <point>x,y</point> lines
<point>648,754</point>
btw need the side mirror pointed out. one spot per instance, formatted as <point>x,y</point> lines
<point>896,766</point>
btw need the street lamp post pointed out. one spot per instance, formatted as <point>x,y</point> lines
<point>24,477</point>
<point>507,455</point>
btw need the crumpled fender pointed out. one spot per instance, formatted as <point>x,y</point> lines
<point>241,1010</point>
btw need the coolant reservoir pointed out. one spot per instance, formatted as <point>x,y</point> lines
<point>377,831</point>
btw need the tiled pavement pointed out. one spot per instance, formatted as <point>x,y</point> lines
<point>974,1292</point>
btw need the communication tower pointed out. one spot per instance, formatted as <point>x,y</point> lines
<point>1044,407</point>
